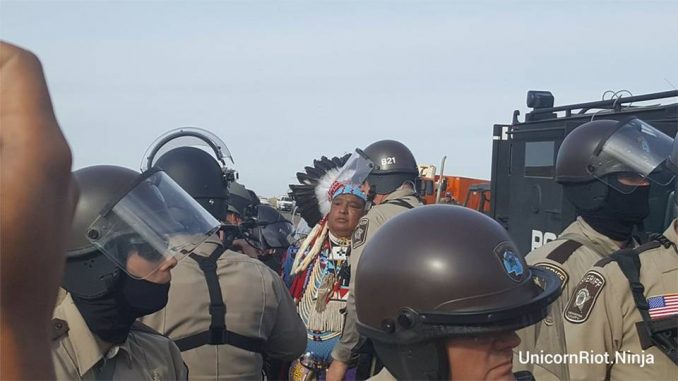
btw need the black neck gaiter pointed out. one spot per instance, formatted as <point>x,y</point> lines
<point>619,213</point>
<point>111,316</point>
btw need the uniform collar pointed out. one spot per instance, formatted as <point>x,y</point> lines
<point>88,349</point>
<point>601,243</point>
<point>399,193</point>
<point>670,232</point>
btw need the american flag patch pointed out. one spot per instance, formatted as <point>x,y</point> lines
<point>663,305</point>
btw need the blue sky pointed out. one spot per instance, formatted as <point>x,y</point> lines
<point>285,82</point>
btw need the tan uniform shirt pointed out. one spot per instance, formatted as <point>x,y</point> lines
<point>79,355</point>
<point>257,303</point>
<point>601,318</point>
<point>570,265</point>
<point>367,227</point>
<point>577,248</point>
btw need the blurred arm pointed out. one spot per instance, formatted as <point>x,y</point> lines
<point>37,197</point>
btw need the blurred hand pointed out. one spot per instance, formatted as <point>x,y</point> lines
<point>38,196</point>
<point>336,371</point>
<point>242,246</point>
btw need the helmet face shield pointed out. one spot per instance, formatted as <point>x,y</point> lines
<point>634,148</point>
<point>269,230</point>
<point>153,222</point>
<point>272,236</point>
<point>673,160</point>
<point>356,169</point>
<point>186,137</point>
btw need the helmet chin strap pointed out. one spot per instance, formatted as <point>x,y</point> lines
<point>371,194</point>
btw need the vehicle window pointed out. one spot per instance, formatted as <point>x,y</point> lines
<point>539,159</point>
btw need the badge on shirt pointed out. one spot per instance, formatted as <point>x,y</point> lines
<point>584,297</point>
<point>360,233</point>
<point>560,273</point>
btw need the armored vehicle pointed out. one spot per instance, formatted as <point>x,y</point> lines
<point>526,200</point>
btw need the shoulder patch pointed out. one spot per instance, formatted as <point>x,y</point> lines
<point>559,271</point>
<point>360,233</point>
<point>563,252</point>
<point>59,328</point>
<point>584,297</point>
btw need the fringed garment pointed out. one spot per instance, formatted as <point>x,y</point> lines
<point>320,289</point>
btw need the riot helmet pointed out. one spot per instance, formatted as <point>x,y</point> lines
<point>200,176</point>
<point>186,137</point>
<point>598,151</point>
<point>606,167</point>
<point>240,200</point>
<point>442,272</point>
<point>393,163</point>
<point>254,197</point>
<point>270,229</point>
<point>196,160</point>
<point>122,215</point>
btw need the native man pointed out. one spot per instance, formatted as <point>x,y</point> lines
<point>317,270</point>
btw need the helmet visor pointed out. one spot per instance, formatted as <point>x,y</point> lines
<point>635,148</point>
<point>277,235</point>
<point>273,235</point>
<point>673,159</point>
<point>156,221</point>
<point>356,169</point>
<point>186,137</point>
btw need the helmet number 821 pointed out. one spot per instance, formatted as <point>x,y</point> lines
<point>388,160</point>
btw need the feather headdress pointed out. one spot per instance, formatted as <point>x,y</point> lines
<point>313,193</point>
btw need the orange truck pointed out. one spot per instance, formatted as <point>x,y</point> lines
<point>469,192</point>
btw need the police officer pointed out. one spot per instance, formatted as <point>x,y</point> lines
<point>124,240</point>
<point>604,167</point>
<point>226,311</point>
<point>625,308</point>
<point>391,172</point>
<point>445,302</point>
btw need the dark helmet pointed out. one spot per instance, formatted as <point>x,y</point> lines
<point>271,229</point>
<point>99,186</point>
<point>456,272</point>
<point>240,200</point>
<point>200,175</point>
<point>594,152</point>
<point>121,211</point>
<point>394,164</point>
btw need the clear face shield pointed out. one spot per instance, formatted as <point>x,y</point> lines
<point>152,223</point>
<point>357,168</point>
<point>634,150</point>
<point>186,137</point>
